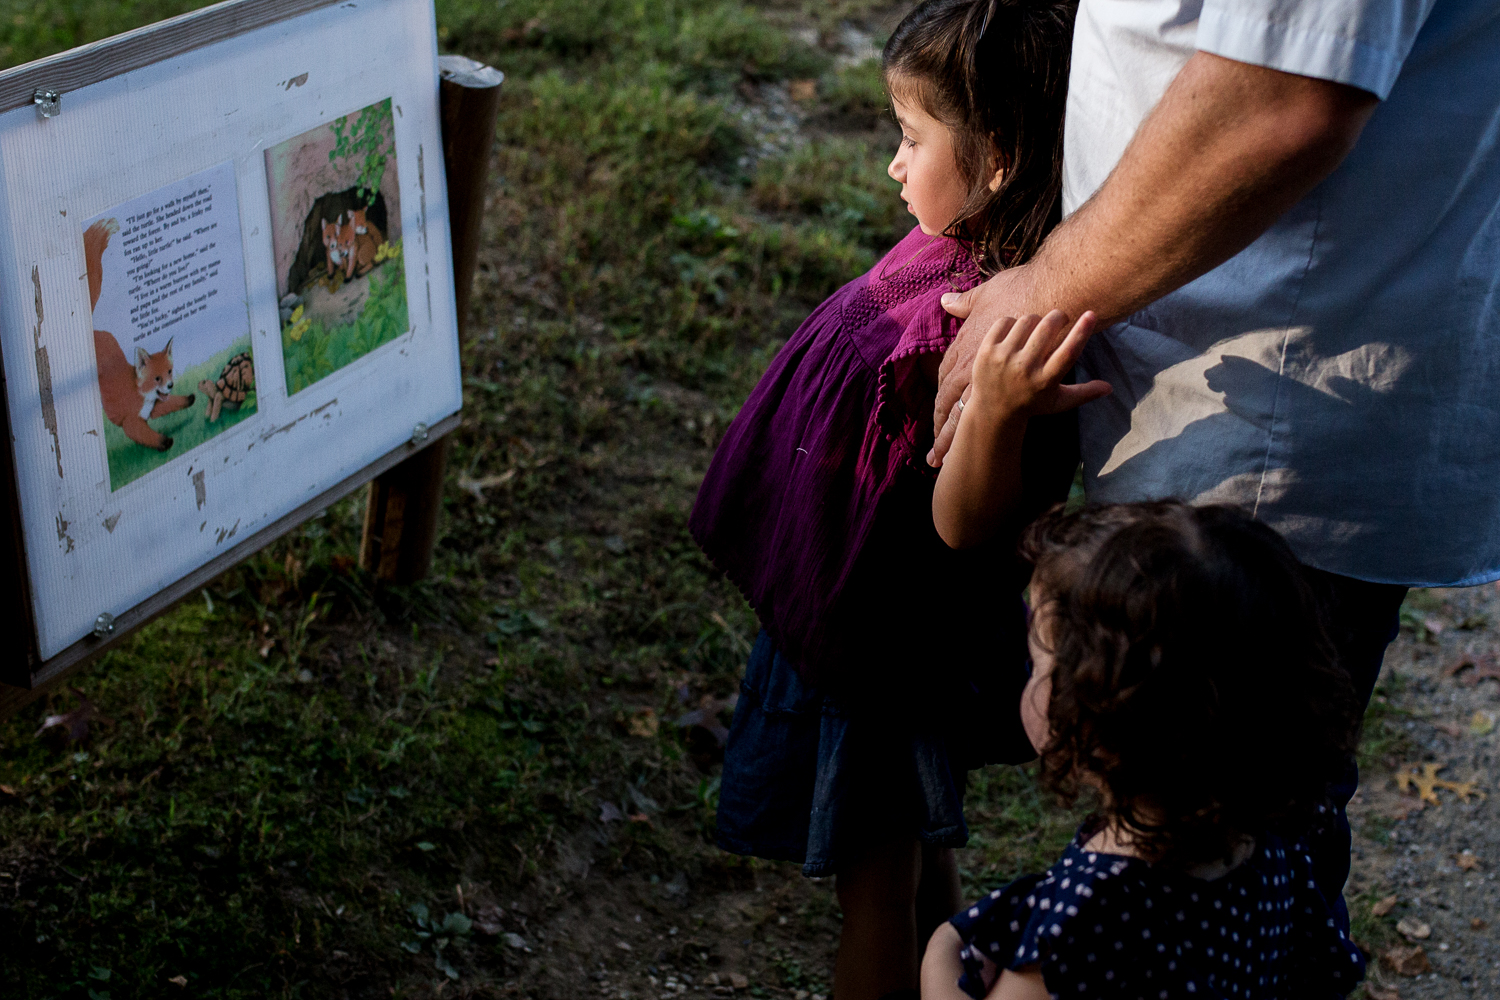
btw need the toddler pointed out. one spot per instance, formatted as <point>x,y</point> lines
<point>1180,669</point>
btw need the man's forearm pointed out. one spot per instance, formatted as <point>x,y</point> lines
<point>1229,149</point>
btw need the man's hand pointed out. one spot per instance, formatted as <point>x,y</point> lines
<point>1229,148</point>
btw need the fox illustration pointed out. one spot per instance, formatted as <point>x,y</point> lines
<point>131,393</point>
<point>338,243</point>
<point>365,239</point>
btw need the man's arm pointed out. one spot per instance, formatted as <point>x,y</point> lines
<point>1229,148</point>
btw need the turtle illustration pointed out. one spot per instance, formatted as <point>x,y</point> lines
<point>231,387</point>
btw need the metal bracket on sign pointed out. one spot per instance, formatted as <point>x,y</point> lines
<point>48,103</point>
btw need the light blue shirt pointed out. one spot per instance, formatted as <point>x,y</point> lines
<point>1340,377</point>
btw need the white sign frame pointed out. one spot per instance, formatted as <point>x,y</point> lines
<point>250,75</point>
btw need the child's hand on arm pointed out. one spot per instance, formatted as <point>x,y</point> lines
<point>1018,374</point>
<point>941,968</point>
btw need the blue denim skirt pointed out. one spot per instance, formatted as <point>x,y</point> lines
<point>808,780</point>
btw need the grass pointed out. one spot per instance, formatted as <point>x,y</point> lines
<point>187,428</point>
<point>293,759</point>
<point>312,351</point>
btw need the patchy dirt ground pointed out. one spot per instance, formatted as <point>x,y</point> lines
<point>1428,866</point>
<point>1431,870</point>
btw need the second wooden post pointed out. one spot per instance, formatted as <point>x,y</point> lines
<point>403,505</point>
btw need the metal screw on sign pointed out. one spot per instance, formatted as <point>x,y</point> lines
<point>48,103</point>
<point>104,625</point>
<point>419,434</point>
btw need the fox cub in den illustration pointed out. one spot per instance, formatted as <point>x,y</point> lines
<point>334,243</point>
<point>351,246</point>
<point>131,393</point>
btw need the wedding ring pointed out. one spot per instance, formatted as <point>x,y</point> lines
<point>960,406</point>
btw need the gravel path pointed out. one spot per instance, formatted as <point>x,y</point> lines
<point>1440,861</point>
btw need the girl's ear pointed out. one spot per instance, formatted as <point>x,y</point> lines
<point>998,177</point>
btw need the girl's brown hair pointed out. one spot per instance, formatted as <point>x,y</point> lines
<point>995,72</point>
<point>1192,675</point>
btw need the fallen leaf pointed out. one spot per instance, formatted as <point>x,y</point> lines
<point>1467,860</point>
<point>1479,923</point>
<point>179,980</point>
<point>1413,929</point>
<point>1373,992</point>
<point>1481,723</point>
<point>8,790</point>
<point>1466,661</point>
<point>1403,961</point>
<point>516,941</point>
<point>265,648</point>
<point>1383,906</point>
<point>610,813</point>
<point>1482,671</point>
<point>643,723</point>
<point>623,946</point>
<point>487,920</point>
<point>1427,783</point>
<point>738,982</point>
<point>802,90</point>
<point>75,724</point>
<point>641,818</point>
<point>478,486</point>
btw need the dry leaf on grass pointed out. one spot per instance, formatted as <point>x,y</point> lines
<point>487,920</point>
<point>610,813</point>
<point>74,724</point>
<point>643,723</point>
<point>1427,782</point>
<point>1467,860</point>
<point>1381,907</point>
<point>802,90</point>
<point>1405,961</point>
<point>478,486</point>
<point>179,980</point>
<point>738,981</point>
<point>1414,929</point>
<point>1479,923</point>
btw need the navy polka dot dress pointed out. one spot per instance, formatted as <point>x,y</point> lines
<point>1104,925</point>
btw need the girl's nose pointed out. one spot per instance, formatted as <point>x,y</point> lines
<point>896,170</point>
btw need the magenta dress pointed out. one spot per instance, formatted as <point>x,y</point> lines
<point>817,505</point>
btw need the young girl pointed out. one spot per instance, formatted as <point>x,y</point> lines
<point>1180,670</point>
<point>884,651</point>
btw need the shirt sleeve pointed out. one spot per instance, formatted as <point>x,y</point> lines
<point>1359,42</point>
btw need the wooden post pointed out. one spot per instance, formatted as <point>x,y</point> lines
<point>402,506</point>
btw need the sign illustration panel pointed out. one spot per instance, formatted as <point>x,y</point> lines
<point>171,329</point>
<point>336,232</point>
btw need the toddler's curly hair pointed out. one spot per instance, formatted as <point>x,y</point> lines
<point>1193,676</point>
